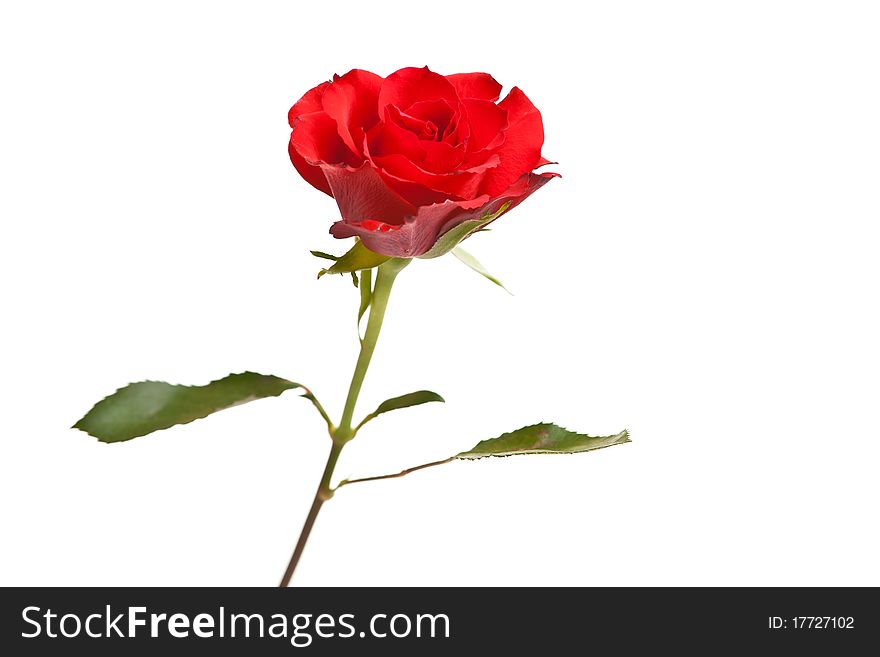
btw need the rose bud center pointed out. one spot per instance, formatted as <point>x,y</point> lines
<point>429,132</point>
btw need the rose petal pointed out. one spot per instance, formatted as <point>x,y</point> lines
<point>396,135</point>
<point>352,101</point>
<point>411,85</point>
<point>488,121</point>
<point>481,86</point>
<point>316,139</point>
<point>308,104</point>
<point>362,194</point>
<point>459,129</point>
<point>437,111</point>
<point>416,126</point>
<point>413,238</point>
<point>461,185</point>
<point>312,174</point>
<point>518,192</point>
<point>413,192</point>
<point>421,231</point>
<point>521,150</point>
<point>441,157</point>
<point>399,135</point>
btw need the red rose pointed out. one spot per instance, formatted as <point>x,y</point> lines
<point>413,155</point>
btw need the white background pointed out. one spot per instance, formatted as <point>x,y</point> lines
<point>705,274</point>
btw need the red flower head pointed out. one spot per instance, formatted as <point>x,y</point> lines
<point>412,156</point>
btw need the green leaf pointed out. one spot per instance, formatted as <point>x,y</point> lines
<point>141,408</point>
<point>541,438</point>
<point>355,259</point>
<point>536,439</point>
<point>450,239</point>
<point>404,401</point>
<point>475,264</point>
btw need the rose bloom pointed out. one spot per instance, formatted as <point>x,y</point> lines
<point>413,155</point>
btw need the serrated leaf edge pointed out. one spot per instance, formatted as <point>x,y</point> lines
<point>620,438</point>
<point>307,394</point>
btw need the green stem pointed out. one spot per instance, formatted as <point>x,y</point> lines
<point>385,276</point>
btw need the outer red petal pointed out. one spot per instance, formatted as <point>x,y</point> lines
<point>315,138</point>
<point>362,194</point>
<point>310,173</point>
<point>352,101</point>
<point>308,104</point>
<point>521,150</point>
<point>411,85</point>
<point>422,230</point>
<point>481,86</point>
